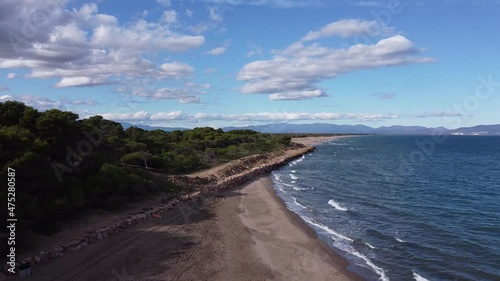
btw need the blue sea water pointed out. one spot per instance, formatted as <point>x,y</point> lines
<point>403,207</point>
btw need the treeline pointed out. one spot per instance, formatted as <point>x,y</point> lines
<point>64,164</point>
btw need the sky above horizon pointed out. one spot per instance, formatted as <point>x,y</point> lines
<point>235,63</point>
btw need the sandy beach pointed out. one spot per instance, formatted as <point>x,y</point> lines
<point>241,234</point>
<point>315,140</point>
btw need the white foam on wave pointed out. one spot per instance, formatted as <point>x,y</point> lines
<point>336,205</point>
<point>293,182</point>
<point>348,248</point>
<point>294,171</point>
<point>327,229</point>
<point>299,188</point>
<point>369,246</point>
<point>419,277</point>
<point>400,240</point>
<point>298,204</point>
<point>293,177</point>
<point>295,162</point>
<point>375,268</point>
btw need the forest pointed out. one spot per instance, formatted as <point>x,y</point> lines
<point>64,164</point>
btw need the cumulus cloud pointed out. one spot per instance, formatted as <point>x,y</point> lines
<point>189,93</point>
<point>43,103</point>
<point>300,95</point>
<point>82,47</point>
<point>176,70</point>
<point>348,28</point>
<point>138,116</point>
<point>11,76</point>
<point>174,115</point>
<point>6,98</point>
<point>169,17</point>
<point>216,51</point>
<point>295,71</point>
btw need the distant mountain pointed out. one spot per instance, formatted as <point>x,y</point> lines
<point>319,128</point>
<point>151,128</point>
<point>325,128</point>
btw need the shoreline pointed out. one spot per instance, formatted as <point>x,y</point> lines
<point>321,253</point>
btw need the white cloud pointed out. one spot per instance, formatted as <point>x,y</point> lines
<point>165,3</point>
<point>438,114</point>
<point>182,95</point>
<point>43,103</point>
<point>189,93</point>
<point>138,116</point>
<point>80,81</point>
<point>169,17</point>
<point>301,95</point>
<point>210,70</point>
<point>189,12</point>
<point>255,51</point>
<point>176,70</point>
<point>272,3</point>
<point>216,51</point>
<point>298,68</point>
<point>82,47</point>
<point>201,27</point>
<point>11,75</point>
<point>174,115</point>
<point>214,13</point>
<point>6,98</point>
<point>347,28</point>
<point>257,117</point>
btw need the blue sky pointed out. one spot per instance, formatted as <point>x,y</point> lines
<point>233,62</point>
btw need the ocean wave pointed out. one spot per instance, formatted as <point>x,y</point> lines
<point>298,204</point>
<point>419,277</point>
<point>294,171</point>
<point>327,229</point>
<point>293,182</point>
<point>299,188</point>
<point>375,268</point>
<point>336,205</point>
<point>349,249</point>
<point>400,240</point>
<point>295,162</point>
<point>293,177</point>
<point>369,246</point>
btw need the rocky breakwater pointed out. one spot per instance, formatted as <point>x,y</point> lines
<point>260,169</point>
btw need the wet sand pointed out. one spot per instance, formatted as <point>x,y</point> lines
<point>241,234</point>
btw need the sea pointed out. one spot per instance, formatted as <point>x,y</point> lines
<point>403,207</point>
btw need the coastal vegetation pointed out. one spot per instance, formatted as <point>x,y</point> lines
<point>65,164</point>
